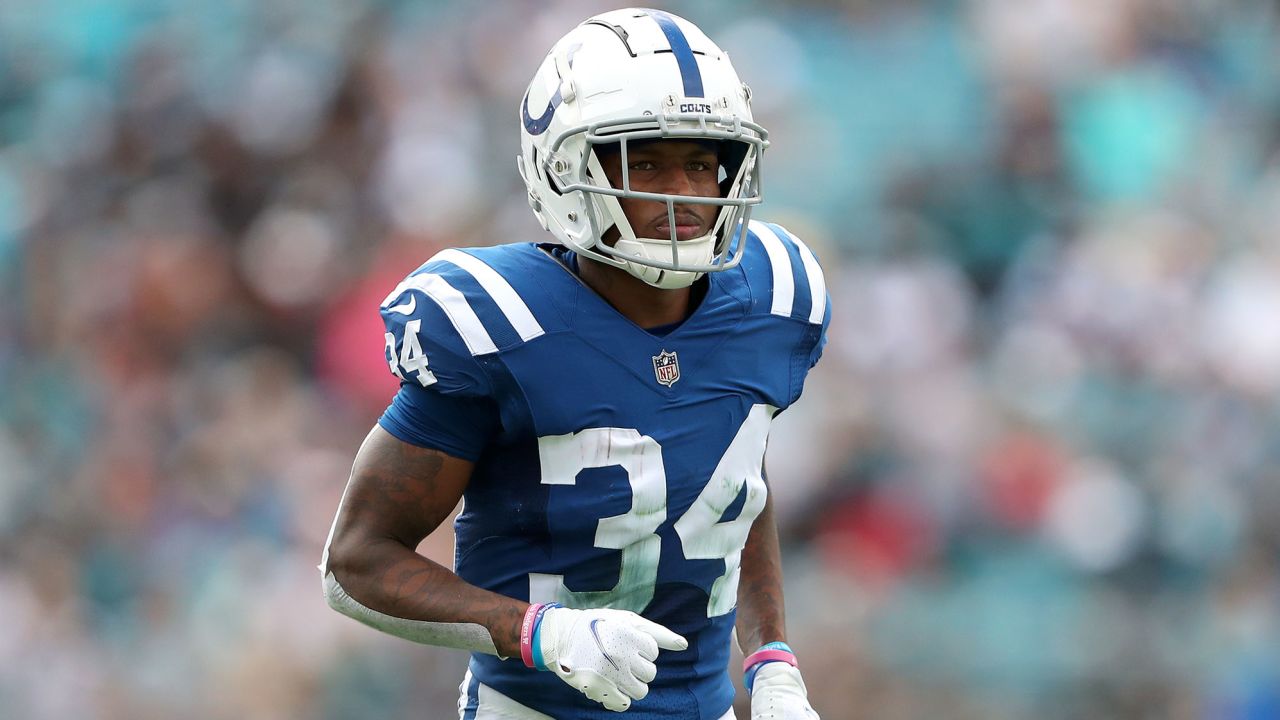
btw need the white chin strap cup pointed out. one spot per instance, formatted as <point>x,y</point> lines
<point>695,252</point>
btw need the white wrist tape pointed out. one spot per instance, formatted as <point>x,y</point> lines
<point>463,636</point>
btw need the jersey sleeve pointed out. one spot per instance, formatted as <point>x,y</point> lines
<point>445,399</point>
<point>459,426</point>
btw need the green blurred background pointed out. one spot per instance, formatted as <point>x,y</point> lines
<point>1037,474</point>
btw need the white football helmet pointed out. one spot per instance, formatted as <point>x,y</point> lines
<point>625,76</point>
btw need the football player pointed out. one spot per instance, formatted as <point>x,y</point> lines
<point>601,404</point>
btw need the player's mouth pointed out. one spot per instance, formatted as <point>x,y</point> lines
<point>688,226</point>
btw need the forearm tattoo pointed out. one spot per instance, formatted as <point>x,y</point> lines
<point>398,495</point>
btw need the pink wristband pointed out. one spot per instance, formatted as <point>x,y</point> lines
<point>526,633</point>
<point>768,655</point>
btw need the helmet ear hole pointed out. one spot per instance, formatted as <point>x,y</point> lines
<point>543,175</point>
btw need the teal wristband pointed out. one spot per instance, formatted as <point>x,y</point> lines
<point>538,662</point>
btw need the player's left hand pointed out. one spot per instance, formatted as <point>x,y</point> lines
<point>778,693</point>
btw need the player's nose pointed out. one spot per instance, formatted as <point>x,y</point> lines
<point>676,181</point>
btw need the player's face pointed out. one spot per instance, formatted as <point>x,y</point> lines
<point>675,167</point>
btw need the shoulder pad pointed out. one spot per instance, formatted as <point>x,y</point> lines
<point>797,288</point>
<point>449,313</point>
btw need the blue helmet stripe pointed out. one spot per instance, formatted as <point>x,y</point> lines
<point>684,54</point>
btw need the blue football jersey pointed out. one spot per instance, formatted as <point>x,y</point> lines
<point>625,468</point>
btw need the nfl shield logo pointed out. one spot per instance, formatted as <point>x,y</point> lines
<point>666,367</point>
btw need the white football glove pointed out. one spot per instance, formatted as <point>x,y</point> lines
<point>778,693</point>
<point>606,655</point>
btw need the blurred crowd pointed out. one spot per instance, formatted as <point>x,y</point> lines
<point>1037,473</point>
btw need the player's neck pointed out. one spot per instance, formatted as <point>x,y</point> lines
<point>639,302</point>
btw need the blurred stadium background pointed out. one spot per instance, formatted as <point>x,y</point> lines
<point>1036,475</point>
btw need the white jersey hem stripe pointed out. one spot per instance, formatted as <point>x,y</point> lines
<point>491,704</point>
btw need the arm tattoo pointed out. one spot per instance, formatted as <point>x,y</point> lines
<point>398,494</point>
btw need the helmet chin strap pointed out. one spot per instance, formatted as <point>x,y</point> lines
<point>698,251</point>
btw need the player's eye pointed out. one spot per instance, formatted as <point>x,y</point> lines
<point>642,166</point>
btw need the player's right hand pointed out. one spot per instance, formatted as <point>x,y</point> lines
<point>607,655</point>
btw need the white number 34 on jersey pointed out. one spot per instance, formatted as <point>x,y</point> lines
<point>702,534</point>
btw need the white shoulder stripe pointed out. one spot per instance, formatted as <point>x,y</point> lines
<point>817,283</point>
<point>455,305</point>
<point>499,289</point>
<point>784,284</point>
